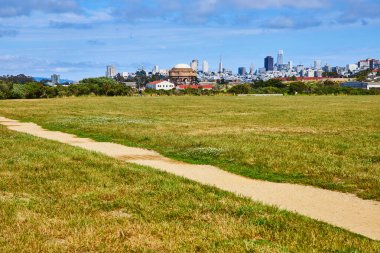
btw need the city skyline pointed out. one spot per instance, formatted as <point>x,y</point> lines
<point>76,39</point>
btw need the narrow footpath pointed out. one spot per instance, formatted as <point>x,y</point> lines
<point>340,209</point>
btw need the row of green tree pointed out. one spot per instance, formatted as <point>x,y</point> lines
<point>92,86</point>
<point>275,86</point>
<point>11,88</point>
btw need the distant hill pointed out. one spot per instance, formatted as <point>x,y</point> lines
<point>38,79</point>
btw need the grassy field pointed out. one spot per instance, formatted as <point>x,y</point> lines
<point>325,141</point>
<point>56,198</point>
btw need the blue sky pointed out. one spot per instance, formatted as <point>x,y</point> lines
<point>78,38</point>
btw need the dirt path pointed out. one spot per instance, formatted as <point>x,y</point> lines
<point>340,209</point>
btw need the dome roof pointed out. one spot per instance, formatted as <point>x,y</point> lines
<point>182,66</point>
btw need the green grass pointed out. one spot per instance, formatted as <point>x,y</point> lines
<point>325,141</point>
<point>57,198</point>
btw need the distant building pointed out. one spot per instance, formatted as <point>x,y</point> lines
<point>111,71</point>
<point>280,57</point>
<point>131,84</point>
<point>290,65</point>
<point>200,87</point>
<point>364,64</point>
<point>361,85</point>
<point>194,65</point>
<point>242,71</point>
<point>182,74</point>
<point>205,67</point>
<point>160,85</point>
<point>299,68</point>
<point>317,64</point>
<point>327,68</point>
<point>262,70</point>
<point>124,74</point>
<point>352,67</point>
<point>156,69</point>
<point>308,73</point>
<point>55,79</point>
<point>268,63</point>
<point>373,63</point>
<point>220,67</point>
<point>252,69</point>
<point>318,73</point>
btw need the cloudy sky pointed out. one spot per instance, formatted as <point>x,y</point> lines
<point>78,38</point>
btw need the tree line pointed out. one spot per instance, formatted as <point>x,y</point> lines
<point>275,86</point>
<point>22,87</point>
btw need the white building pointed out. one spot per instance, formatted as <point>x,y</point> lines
<point>164,72</point>
<point>319,73</point>
<point>317,64</point>
<point>364,64</point>
<point>352,67</point>
<point>280,57</point>
<point>252,69</point>
<point>124,74</point>
<point>160,85</point>
<point>308,73</point>
<point>205,67</point>
<point>194,65</point>
<point>111,71</point>
<point>156,69</point>
<point>299,68</point>
<point>55,79</point>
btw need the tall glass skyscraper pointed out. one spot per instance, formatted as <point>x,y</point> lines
<point>268,63</point>
<point>280,57</point>
<point>242,71</point>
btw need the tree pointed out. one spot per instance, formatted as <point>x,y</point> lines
<point>361,76</point>
<point>275,83</point>
<point>240,89</point>
<point>141,78</point>
<point>330,74</point>
<point>297,87</point>
<point>17,79</point>
<point>329,83</point>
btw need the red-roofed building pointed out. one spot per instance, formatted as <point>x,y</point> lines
<point>202,87</point>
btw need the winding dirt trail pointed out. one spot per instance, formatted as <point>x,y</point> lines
<point>340,209</point>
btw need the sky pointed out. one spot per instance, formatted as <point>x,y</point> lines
<point>79,38</point>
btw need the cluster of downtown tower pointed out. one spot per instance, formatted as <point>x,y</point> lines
<point>272,69</point>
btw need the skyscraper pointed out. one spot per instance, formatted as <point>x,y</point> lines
<point>205,67</point>
<point>290,64</point>
<point>268,63</point>
<point>220,66</point>
<point>317,64</point>
<point>280,57</point>
<point>242,71</point>
<point>194,65</point>
<point>252,69</point>
<point>156,69</point>
<point>55,79</point>
<point>111,71</point>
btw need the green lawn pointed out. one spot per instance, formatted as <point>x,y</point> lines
<point>325,141</point>
<point>57,198</point>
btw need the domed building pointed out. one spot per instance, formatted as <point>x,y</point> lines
<point>182,74</point>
